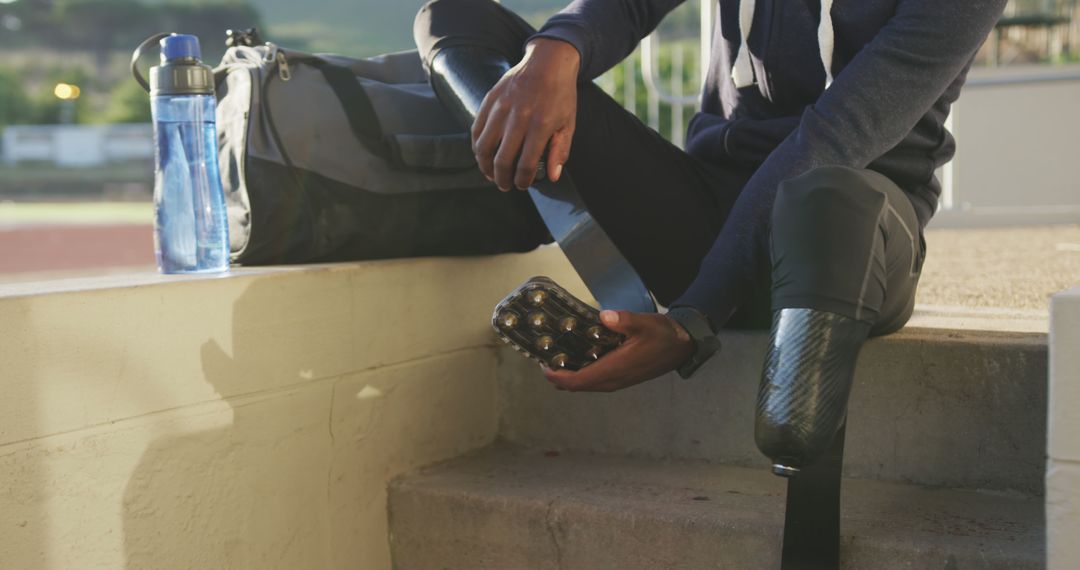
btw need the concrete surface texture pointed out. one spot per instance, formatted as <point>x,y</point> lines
<point>272,406</point>
<point>1000,268</point>
<point>941,408</point>
<point>508,509</point>
<point>945,465</point>
<point>1063,464</point>
<point>245,421</point>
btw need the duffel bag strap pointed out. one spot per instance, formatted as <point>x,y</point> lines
<point>437,153</point>
<point>421,153</point>
<point>357,106</point>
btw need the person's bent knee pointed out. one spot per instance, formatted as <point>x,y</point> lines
<point>826,243</point>
<point>426,23</point>
<point>827,193</point>
<point>460,22</point>
<point>831,175</point>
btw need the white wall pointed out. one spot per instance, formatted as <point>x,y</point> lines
<point>1018,139</point>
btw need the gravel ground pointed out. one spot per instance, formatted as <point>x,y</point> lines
<point>1015,268</point>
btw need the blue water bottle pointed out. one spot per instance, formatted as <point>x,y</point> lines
<point>190,227</point>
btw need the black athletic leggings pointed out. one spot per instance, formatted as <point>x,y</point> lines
<point>835,239</point>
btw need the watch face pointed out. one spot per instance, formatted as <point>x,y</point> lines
<point>546,323</point>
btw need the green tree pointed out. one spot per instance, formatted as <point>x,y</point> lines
<point>15,106</point>
<point>101,26</point>
<point>128,103</point>
<point>690,82</point>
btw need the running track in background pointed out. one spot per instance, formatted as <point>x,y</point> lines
<point>46,238</point>
<point>59,248</point>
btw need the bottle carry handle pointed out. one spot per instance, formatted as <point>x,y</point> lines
<point>138,53</point>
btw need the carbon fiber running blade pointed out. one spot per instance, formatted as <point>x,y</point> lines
<point>804,390</point>
<point>602,267</point>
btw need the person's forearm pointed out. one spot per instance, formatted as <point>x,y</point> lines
<point>554,57</point>
<point>605,31</point>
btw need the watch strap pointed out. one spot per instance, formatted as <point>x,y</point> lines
<point>706,344</point>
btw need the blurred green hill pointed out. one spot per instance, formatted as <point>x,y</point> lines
<point>365,27</point>
<point>104,27</point>
<point>356,27</point>
<point>88,43</point>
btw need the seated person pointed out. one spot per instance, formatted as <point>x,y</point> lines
<point>806,183</point>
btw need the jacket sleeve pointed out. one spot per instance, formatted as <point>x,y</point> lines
<point>873,103</point>
<point>605,31</point>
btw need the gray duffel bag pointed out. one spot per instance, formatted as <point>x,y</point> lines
<point>329,158</point>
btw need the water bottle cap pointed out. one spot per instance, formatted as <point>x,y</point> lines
<point>179,46</point>
<point>181,72</point>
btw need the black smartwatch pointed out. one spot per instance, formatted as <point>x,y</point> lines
<point>701,333</point>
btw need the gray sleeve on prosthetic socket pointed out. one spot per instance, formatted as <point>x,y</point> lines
<point>828,242</point>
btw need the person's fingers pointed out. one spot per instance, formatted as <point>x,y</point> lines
<point>488,142</point>
<point>482,114</point>
<point>611,368</point>
<point>533,149</point>
<point>624,322</point>
<point>547,372</point>
<point>572,378</point>
<point>555,384</point>
<point>506,157</point>
<point>559,152</point>
<point>575,381</point>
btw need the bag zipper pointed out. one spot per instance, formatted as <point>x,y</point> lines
<point>264,103</point>
<point>283,67</point>
<point>276,56</point>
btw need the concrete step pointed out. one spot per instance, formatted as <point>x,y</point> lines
<point>507,508</point>
<point>939,407</point>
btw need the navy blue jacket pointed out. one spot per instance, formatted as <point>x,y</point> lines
<point>897,65</point>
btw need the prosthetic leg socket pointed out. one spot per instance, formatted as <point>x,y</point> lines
<point>462,75</point>
<point>803,395</point>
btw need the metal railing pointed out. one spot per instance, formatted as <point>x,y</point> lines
<point>675,95</point>
<point>980,185</point>
<point>675,98</point>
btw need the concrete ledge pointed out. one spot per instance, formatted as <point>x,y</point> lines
<point>512,508</point>
<point>272,405</point>
<point>89,352</point>
<point>246,421</point>
<point>1063,447</point>
<point>936,407</point>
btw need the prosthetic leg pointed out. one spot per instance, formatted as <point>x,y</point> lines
<point>801,413</point>
<point>841,237</point>
<point>836,246</point>
<point>461,76</point>
<point>808,373</point>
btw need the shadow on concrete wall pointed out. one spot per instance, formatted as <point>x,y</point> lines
<point>235,487</point>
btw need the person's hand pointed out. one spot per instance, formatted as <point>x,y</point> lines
<point>654,345</point>
<point>532,108</point>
